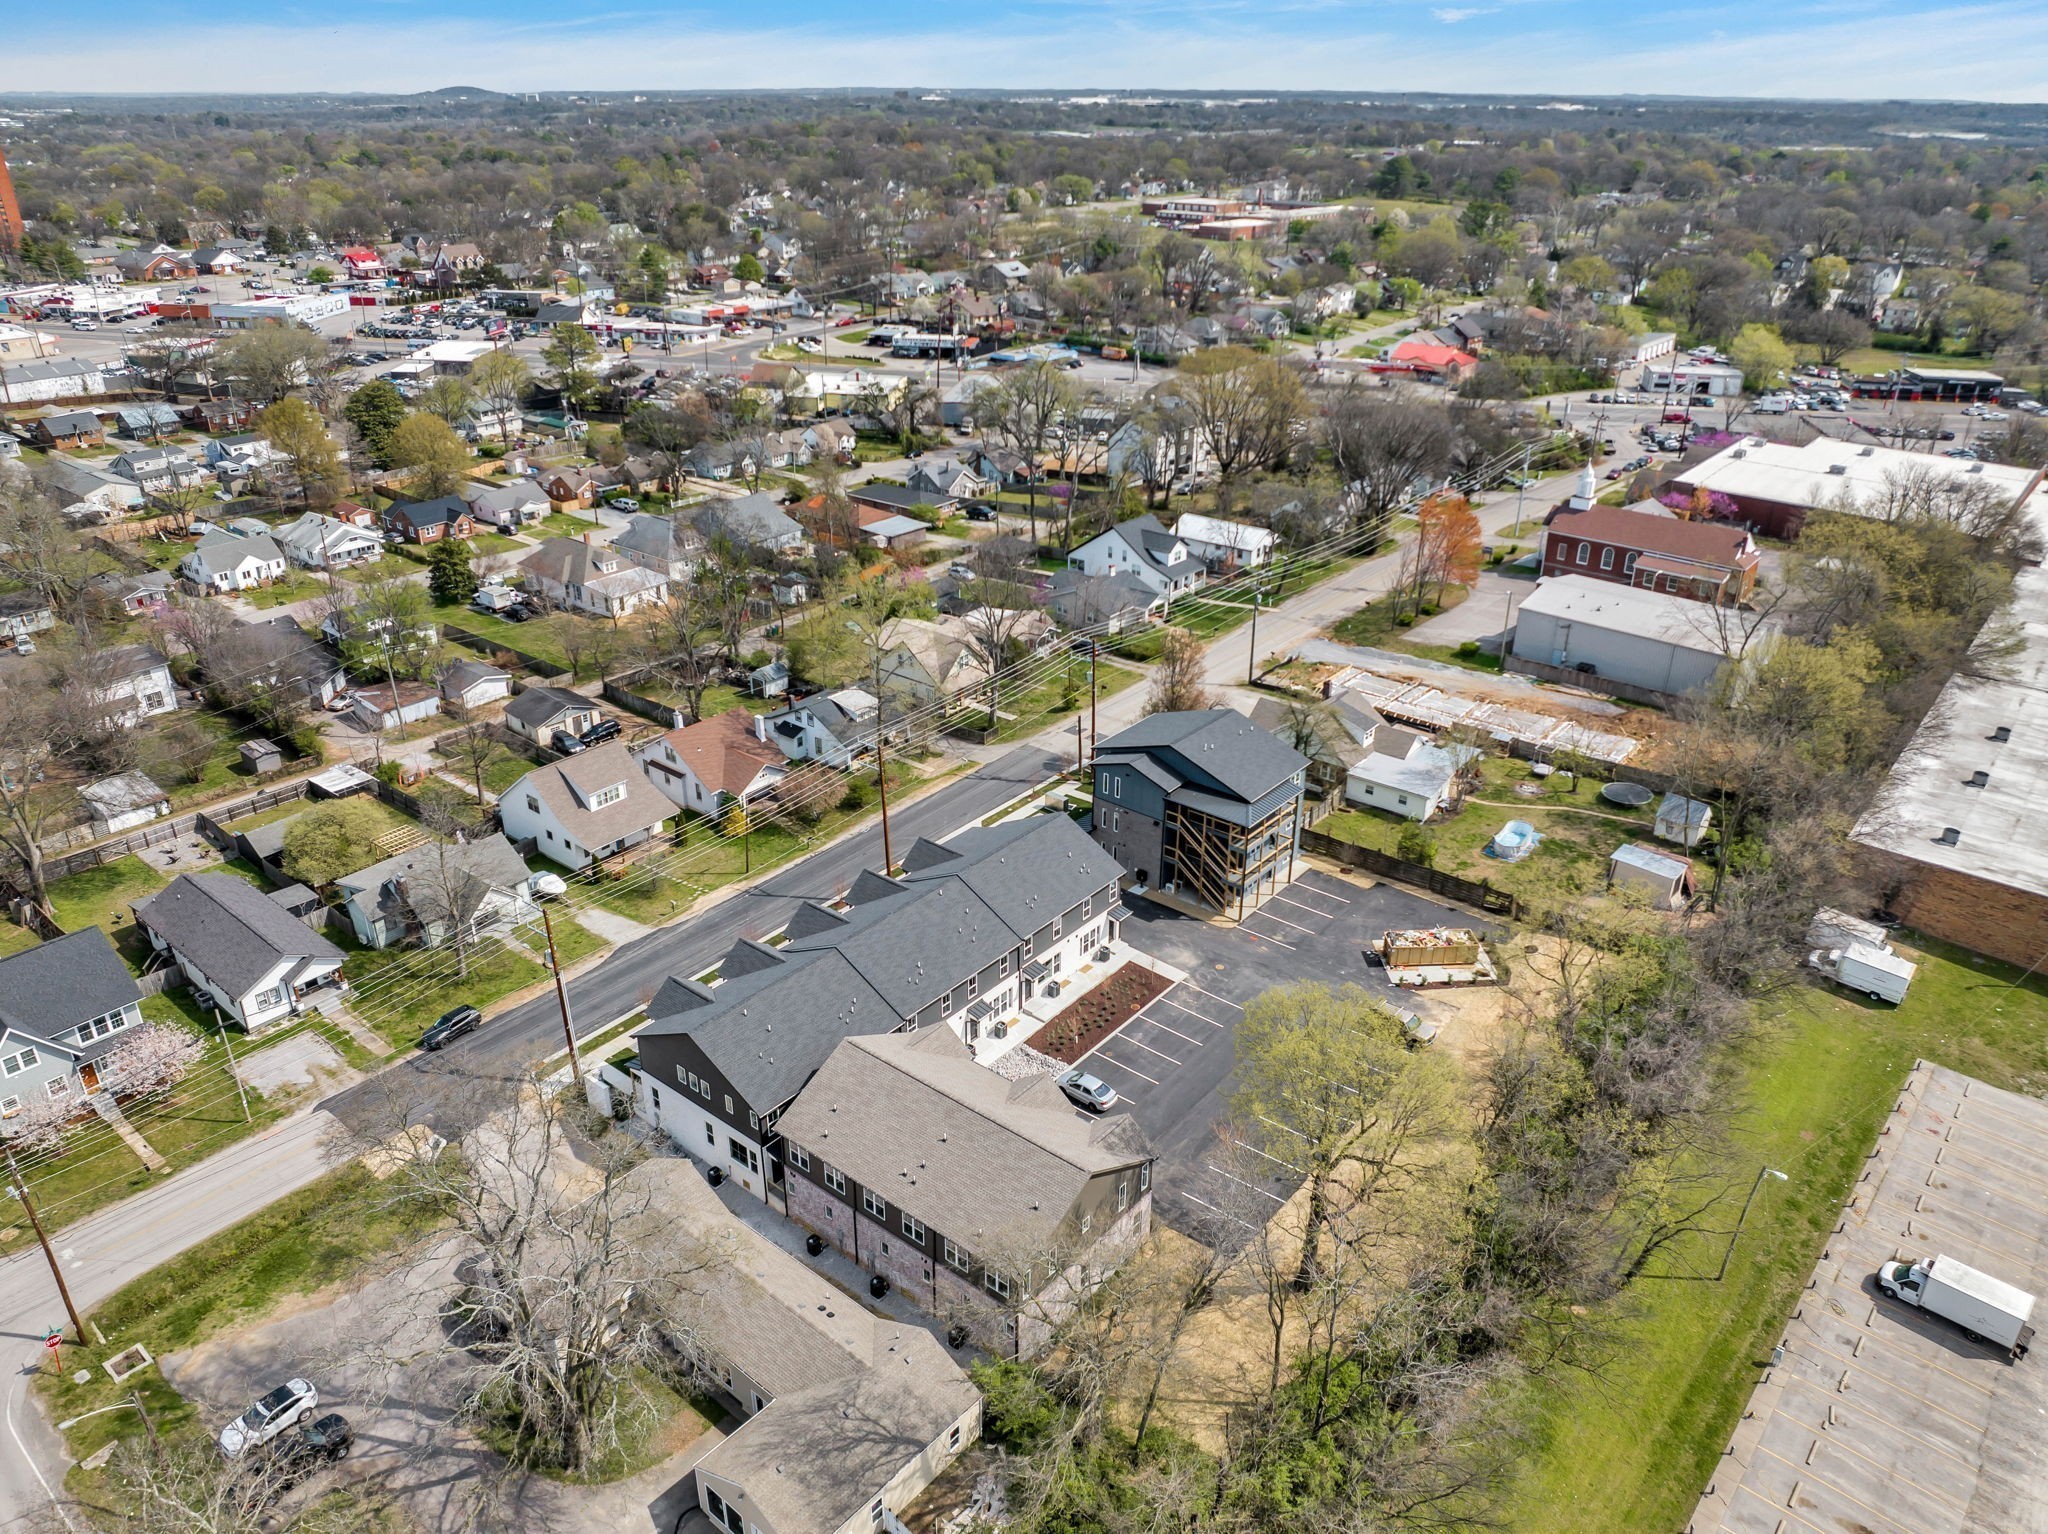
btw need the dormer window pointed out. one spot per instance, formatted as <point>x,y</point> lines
<point>605,796</point>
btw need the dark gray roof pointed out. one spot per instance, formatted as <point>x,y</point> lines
<point>753,519</point>
<point>229,929</point>
<point>430,878</point>
<point>1152,538</point>
<point>537,705</point>
<point>132,660</point>
<point>64,982</point>
<point>1219,744</point>
<point>465,674</point>
<point>902,497</point>
<point>771,1023</point>
<point>65,423</point>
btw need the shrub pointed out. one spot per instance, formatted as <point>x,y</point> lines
<point>1416,844</point>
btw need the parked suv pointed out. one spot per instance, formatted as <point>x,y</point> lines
<point>599,733</point>
<point>292,1402</point>
<point>297,1455</point>
<point>566,743</point>
<point>452,1025</point>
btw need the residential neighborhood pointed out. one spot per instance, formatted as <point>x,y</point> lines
<point>965,809</point>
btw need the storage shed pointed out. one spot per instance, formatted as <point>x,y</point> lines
<point>1664,877</point>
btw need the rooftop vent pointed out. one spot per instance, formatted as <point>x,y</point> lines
<point>1838,468</point>
<point>1978,779</point>
<point>1866,452</point>
<point>1975,468</point>
<point>1949,836</point>
<point>1739,452</point>
<point>2003,732</point>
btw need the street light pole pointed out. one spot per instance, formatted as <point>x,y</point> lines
<point>20,1191</point>
<point>1761,1173</point>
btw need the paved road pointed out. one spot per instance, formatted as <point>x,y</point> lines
<point>115,1246</point>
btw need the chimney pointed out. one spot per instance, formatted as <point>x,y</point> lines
<point>760,727</point>
<point>1978,779</point>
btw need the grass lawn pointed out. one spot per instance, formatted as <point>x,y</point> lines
<point>410,556</point>
<point>534,638</point>
<point>1375,623</point>
<point>1579,832</point>
<point>15,939</point>
<point>399,992</point>
<point>325,1233</point>
<point>507,770</point>
<point>223,775</point>
<point>1048,703</point>
<point>565,524</point>
<point>656,1422</point>
<point>94,897</point>
<point>573,940</point>
<point>1633,1452</point>
<point>388,819</point>
<point>295,587</point>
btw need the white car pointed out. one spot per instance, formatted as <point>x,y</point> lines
<point>85,324</point>
<point>291,1403</point>
<point>1996,415</point>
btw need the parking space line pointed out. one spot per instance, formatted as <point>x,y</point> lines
<point>1227,1177</point>
<point>1275,916</point>
<point>1191,1012</point>
<point>1162,1054</point>
<point>1263,937</point>
<point>1112,1059</point>
<point>1194,1198</point>
<point>1298,905</point>
<point>1174,1031</point>
<point>1213,997</point>
<point>1326,894</point>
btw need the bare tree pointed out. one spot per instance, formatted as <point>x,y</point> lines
<point>1384,449</point>
<point>475,747</point>
<point>1177,682</point>
<point>1246,408</point>
<point>40,728</point>
<point>1023,412</point>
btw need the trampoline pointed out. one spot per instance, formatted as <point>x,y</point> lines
<point>1629,795</point>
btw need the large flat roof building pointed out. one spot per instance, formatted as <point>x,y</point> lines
<point>1959,822</point>
<point>1600,634</point>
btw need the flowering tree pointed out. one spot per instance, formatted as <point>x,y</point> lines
<point>41,1125</point>
<point>151,1058</point>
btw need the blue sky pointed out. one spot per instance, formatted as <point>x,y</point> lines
<point>1995,50</point>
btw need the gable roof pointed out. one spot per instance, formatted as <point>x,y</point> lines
<point>1718,543</point>
<point>537,705</point>
<point>67,981</point>
<point>227,551</point>
<point>657,537</point>
<point>230,930</point>
<point>723,751</point>
<point>443,510</point>
<point>757,518</point>
<point>570,561</point>
<point>912,1116</point>
<point>1153,542</point>
<point>436,881</point>
<point>566,786</point>
<point>1218,743</point>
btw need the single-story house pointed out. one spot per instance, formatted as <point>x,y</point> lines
<point>1111,602</point>
<point>754,521</point>
<point>584,808</point>
<point>64,1005</point>
<point>135,595</point>
<point>897,500</point>
<point>425,894</point>
<point>473,683</point>
<point>1408,774</point>
<point>69,429</point>
<point>23,613</point>
<point>591,578</point>
<point>726,759</point>
<point>538,712</point>
<point>895,533</point>
<point>506,507</point>
<point>1223,546</point>
<point>322,543</point>
<point>446,516</point>
<point>1663,877</point>
<point>123,802</point>
<point>230,562</point>
<point>244,953</point>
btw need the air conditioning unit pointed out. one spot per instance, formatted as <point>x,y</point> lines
<point>1102,956</point>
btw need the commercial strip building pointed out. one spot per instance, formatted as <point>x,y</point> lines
<point>1874,1414</point>
<point>1958,829</point>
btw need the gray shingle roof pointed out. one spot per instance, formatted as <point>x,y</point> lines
<point>428,878</point>
<point>229,929</point>
<point>537,705</point>
<point>966,1151</point>
<point>565,787</point>
<point>753,519</point>
<point>67,981</point>
<point>1217,743</point>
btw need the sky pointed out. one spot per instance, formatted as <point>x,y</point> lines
<point>1993,50</point>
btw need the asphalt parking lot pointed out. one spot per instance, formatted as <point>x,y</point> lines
<point>1172,1062</point>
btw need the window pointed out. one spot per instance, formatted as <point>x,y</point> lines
<point>9,1106</point>
<point>57,1086</point>
<point>1102,785</point>
<point>1607,559</point>
<point>946,1004</point>
<point>1116,820</point>
<point>956,1257</point>
<point>100,1027</point>
<point>875,1513</point>
<point>1003,972</point>
<point>1123,1194</point>
<point>996,1284</point>
<point>1088,908</point>
<point>753,1121</point>
<point>953,1438</point>
<point>835,1179</point>
<point>1144,1177</point>
<point>1087,1222</point>
<point>1058,928</point>
<point>973,985</point>
<point>532,805</point>
<point>710,1134</point>
<point>1116,788</point>
<point>605,796</point>
<point>799,1158</point>
<point>728,1102</point>
<point>14,1065</point>
<point>913,1228</point>
<point>1585,552</point>
<point>874,1204</point>
<point>264,1000</point>
<point>704,1089</point>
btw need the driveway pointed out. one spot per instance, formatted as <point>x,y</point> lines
<point>1481,616</point>
<point>1172,1063</point>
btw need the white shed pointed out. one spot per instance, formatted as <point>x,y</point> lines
<point>1664,877</point>
<point>123,802</point>
<point>1683,820</point>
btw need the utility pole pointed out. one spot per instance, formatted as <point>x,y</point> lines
<point>1251,660</point>
<point>20,1191</point>
<point>561,993</point>
<point>234,1070</point>
<point>1094,717</point>
<point>1521,490</point>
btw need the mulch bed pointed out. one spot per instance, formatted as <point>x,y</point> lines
<point>1080,1027</point>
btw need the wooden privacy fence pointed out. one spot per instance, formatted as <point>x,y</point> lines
<point>1496,902</point>
<point>490,649</point>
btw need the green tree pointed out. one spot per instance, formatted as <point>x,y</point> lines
<point>571,356</point>
<point>748,268</point>
<point>501,379</point>
<point>1416,843</point>
<point>375,411</point>
<point>1398,178</point>
<point>1762,355</point>
<point>438,458</point>
<point>335,839</point>
<point>270,361</point>
<point>449,576</point>
<point>320,274</point>
<point>448,398</point>
<point>295,429</point>
<point>1072,189</point>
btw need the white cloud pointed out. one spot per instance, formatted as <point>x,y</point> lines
<point>1451,15</point>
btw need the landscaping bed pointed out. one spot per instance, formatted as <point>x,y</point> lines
<point>1078,1028</point>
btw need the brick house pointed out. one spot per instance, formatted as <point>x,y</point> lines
<point>1009,1181</point>
<point>445,516</point>
<point>1706,561</point>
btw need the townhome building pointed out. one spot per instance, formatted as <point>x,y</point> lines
<point>959,940</point>
<point>979,1198</point>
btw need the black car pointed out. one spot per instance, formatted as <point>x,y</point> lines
<point>297,1455</point>
<point>518,612</point>
<point>566,743</point>
<point>453,1024</point>
<point>599,733</point>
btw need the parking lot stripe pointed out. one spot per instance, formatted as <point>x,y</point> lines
<point>1276,1198</point>
<point>1215,1209</point>
<point>1326,894</point>
<point>1191,1012</point>
<point>1272,915</point>
<point>1213,997</point>
<point>1162,1054</point>
<point>1265,937</point>
<point>1112,1059</point>
<point>1317,910</point>
<point>1274,1159</point>
<point>1174,1031</point>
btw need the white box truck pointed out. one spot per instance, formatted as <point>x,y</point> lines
<point>1876,972</point>
<point>1986,1308</point>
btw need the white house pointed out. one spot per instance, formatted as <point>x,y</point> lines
<point>242,951</point>
<point>321,543</point>
<point>722,760</point>
<point>473,683</point>
<point>392,707</point>
<point>585,807</point>
<point>426,894</point>
<point>833,728</point>
<point>1143,549</point>
<point>1224,546</point>
<point>508,507</point>
<point>228,562</point>
<point>1407,774</point>
<point>134,683</point>
<point>592,579</point>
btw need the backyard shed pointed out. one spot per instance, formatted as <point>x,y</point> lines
<point>1664,877</point>
<point>261,755</point>
<point>1683,820</point>
<point>123,802</point>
